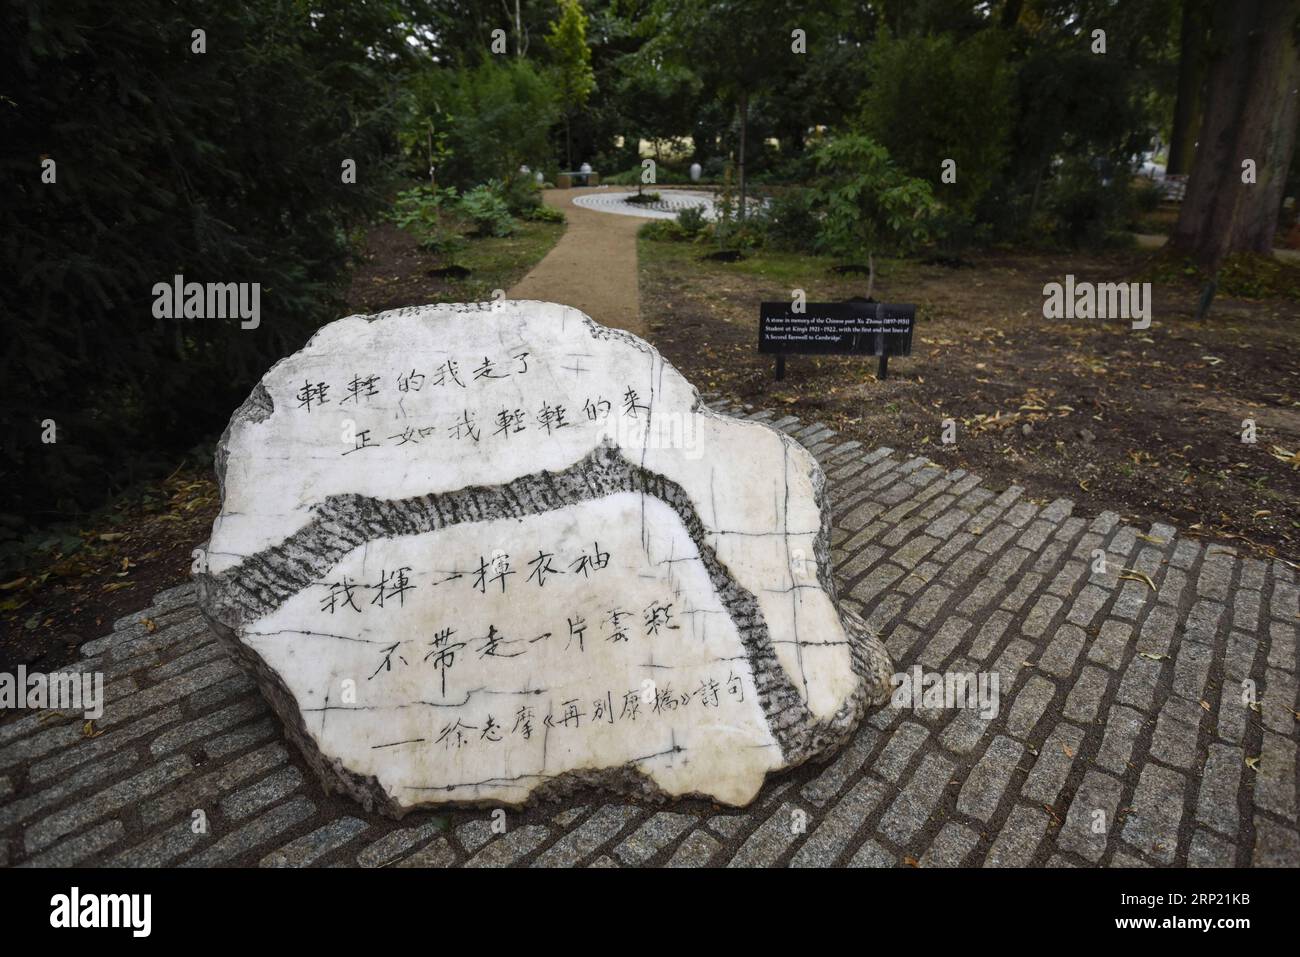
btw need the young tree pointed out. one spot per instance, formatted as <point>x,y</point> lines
<point>492,117</point>
<point>1249,126</point>
<point>738,47</point>
<point>869,203</point>
<point>567,41</point>
<point>659,103</point>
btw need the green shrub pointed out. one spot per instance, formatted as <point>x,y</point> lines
<point>1083,206</point>
<point>521,194</point>
<point>488,211</point>
<point>421,212</point>
<point>792,220</point>
<point>691,220</point>
<point>213,167</point>
<point>1147,196</point>
<point>485,120</point>
<point>967,86</point>
<point>870,204</point>
<point>442,242</point>
<point>663,231</point>
<point>544,214</point>
<point>955,230</point>
<point>420,205</point>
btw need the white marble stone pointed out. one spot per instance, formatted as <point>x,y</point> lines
<point>483,553</point>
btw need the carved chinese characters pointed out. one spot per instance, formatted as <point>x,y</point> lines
<point>483,554</point>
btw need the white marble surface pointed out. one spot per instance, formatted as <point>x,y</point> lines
<point>419,660</point>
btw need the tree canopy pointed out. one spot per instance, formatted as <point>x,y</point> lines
<point>154,139</point>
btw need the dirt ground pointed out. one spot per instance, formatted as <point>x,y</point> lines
<point>392,271</point>
<point>131,551</point>
<point>1146,423</point>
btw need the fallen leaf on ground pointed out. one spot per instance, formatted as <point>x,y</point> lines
<point>1133,575</point>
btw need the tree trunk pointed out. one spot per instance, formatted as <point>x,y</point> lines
<point>1250,113</point>
<point>740,166</point>
<point>1011,13</point>
<point>871,273</point>
<point>1191,86</point>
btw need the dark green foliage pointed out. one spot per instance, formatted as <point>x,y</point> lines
<point>1084,206</point>
<point>489,120</point>
<point>223,166</point>
<point>544,214</point>
<point>1147,196</point>
<point>663,230</point>
<point>870,204</point>
<point>936,97</point>
<point>792,220</point>
<point>423,211</point>
<point>521,194</point>
<point>487,210</point>
<point>691,220</point>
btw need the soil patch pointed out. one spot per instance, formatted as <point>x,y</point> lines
<point>1148,423</point>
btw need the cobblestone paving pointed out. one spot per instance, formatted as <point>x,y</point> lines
<point>1122,737</point>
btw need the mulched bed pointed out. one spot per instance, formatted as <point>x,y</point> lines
<point>1146,423</point>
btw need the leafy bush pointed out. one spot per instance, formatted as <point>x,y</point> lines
<point>792,219</point>
<point>443,241</point>
<point>544,214</point>
<point>1147,196</point>
<point>869,203</point>
<point>486,120</point>
<point>488,211</point>
<point>663,230</point>
<point>691,220</point>
<point>420,205</point>
<point>1084,206</point>
<point>521,194</point>
<point>221,168</point>
<point>420,211</point>
<point>955,230</point>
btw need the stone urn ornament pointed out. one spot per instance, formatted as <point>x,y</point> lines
<point>483,554</point>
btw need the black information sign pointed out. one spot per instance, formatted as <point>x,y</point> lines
<point>836,328</point>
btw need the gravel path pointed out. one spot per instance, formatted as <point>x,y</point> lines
<point>592,267</point>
